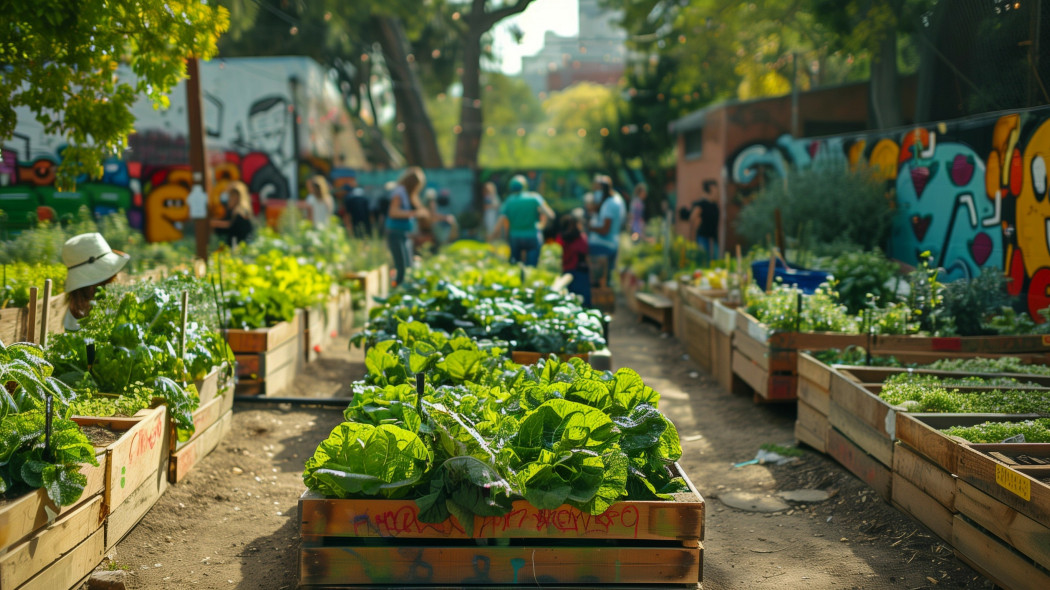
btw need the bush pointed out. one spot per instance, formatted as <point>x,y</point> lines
<point>828,207</point>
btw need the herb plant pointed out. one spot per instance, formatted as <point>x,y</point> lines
<point>1034,431</point>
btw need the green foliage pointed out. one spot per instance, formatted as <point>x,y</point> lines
<point>863,279</point>
<point>267,291</point>
<point>972,303</point>
<point>25,462</point>
<point>1034,431</point>
<point>361,459</point>
<point>926,393</point>
<point>860,217</point>
<point>61,64</point>
<point>779,310</point>
<point>1004,364</point>
<point>20,277</point>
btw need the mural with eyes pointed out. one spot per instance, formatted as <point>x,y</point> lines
<point>1031,219</point>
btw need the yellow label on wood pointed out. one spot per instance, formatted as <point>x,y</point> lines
<point>1046,340</point>
<point>1013,481</point>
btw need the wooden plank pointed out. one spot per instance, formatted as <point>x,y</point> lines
<point>750,373</point>
<point>528,357</point>
<point>208,387</point>
<point>203,418</point>
<point>815,371</point>
<point>698,338</point>
<point>323,518</point>
<point>531,565</point>
<point>124,517</point>
<point>757,352</point>
<point>812,427</point>
<point>866,408</point>
<point>875,443</point>
<point>994,559</point>
<point>68,571</point>
<point>924,508</point>
<point>1015,529</point>
<point>21,516</point>
<point>13,324</point>
<point>136,455</point>
<point>782,388</point>
<point>28,558</point>
<point>1007,484</point>
<point>859,463</point>
<point>817,398</point>
<point>931,479</point>
<point>263,339</point>
<point>722,358</point>
<point>997,345</point>
<point>183,460</point>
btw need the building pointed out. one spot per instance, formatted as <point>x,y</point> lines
<point>597,54</point>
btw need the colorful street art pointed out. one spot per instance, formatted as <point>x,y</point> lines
<point>255,108</point>
<point>972,192</point>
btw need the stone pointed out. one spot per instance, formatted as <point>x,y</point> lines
<point>804,495</point>
<point>108,580</point>
<point>751,502</point>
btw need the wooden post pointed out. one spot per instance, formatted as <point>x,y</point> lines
<point>198,159</point>
<point>772,270</point>
<point>31,332</point>
<point>45,314</point>
<point>182,324</point>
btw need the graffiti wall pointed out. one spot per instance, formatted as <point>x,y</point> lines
<point>269,122</point>
<point>973,192</point>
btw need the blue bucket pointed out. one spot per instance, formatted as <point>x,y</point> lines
<point>803,278</point>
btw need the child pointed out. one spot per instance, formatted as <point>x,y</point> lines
<point>574,255</point>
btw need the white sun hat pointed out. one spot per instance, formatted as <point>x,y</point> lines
<point>90,261</point>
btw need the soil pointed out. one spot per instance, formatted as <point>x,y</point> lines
<point>232,522</point>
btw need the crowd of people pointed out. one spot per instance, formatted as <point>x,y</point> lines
<point>413,216</point>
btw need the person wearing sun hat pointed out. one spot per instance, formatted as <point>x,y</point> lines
<point>90,263</point>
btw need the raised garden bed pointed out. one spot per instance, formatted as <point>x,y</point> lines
<point>381,542</point>
<point>211,421</point>
<point>766,363</point>
<point>267,358</point>
<point>599,359</point>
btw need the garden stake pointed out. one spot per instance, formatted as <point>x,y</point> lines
<point>421,381</point>
<point>798,311</point>
<point>44,313</point>
<point>871,334</point>
<point>31,336</point>
<point>48,406</point>
<point>182,324</point>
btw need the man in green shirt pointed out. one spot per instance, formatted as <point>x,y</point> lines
<point>523,215</point>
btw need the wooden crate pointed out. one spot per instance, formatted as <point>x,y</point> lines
<point>995,559</point>
<point>269,372</point>
<point>374,542</point>
<point>922,433</point>
<point>192,452</point>
<point>1021,533</point>
<point>766,362</point>
<point>994,469</point>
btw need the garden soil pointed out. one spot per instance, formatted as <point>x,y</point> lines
<point>231,523</point>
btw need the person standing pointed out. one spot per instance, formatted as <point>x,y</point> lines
<point>491,204</point>
<point>523,215</point>
<point>404,210</point>
<point>604,236</point>
<point>703,224</point>
<point>319,201</point>
<point>641,191</point>
<point>90,263</point>
<point>356,215</point>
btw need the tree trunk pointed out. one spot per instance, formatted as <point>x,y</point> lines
<point>468,142</point>
<point>884,91</point>
<point>421,147</point>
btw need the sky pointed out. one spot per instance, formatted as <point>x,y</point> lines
<point>560,16</point>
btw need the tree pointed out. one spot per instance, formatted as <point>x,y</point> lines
<point>59,60</point>
<point>477,23</point>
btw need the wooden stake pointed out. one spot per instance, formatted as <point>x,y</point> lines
<point>31,333</point>
<point>772,270</point>
<point>182,324</point>
<point>45,314</point>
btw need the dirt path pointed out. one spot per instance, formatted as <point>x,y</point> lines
<point>231,523</point>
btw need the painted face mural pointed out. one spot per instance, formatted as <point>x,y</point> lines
<point>166,205</point>
<point>268,124</point>
<point>943,208</point>
<point>1031,219</point>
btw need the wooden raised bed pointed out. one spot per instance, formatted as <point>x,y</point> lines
<point>599,359</point>
<point>313,332</point>
<point>14,321</point>
<point>378,542</point>
<point>724,316</point>
<point>373,283</point>
<point>924,490</point>
<point>136,468</point>
<point>922,433</point>
<point>766,363</point>
<point>1016,475</point>
<point>960,346</point>
<point>1025,535</point>
<point>267,358</point>
<point>814,402</point>
<point>211,421</point>
<point>695,316</point>
<point>998,561</point>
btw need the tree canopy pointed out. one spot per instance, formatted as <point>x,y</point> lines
<point>59,59</point>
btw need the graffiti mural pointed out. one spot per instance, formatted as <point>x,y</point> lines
<point>972,193</point>
<point>258,112</point>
